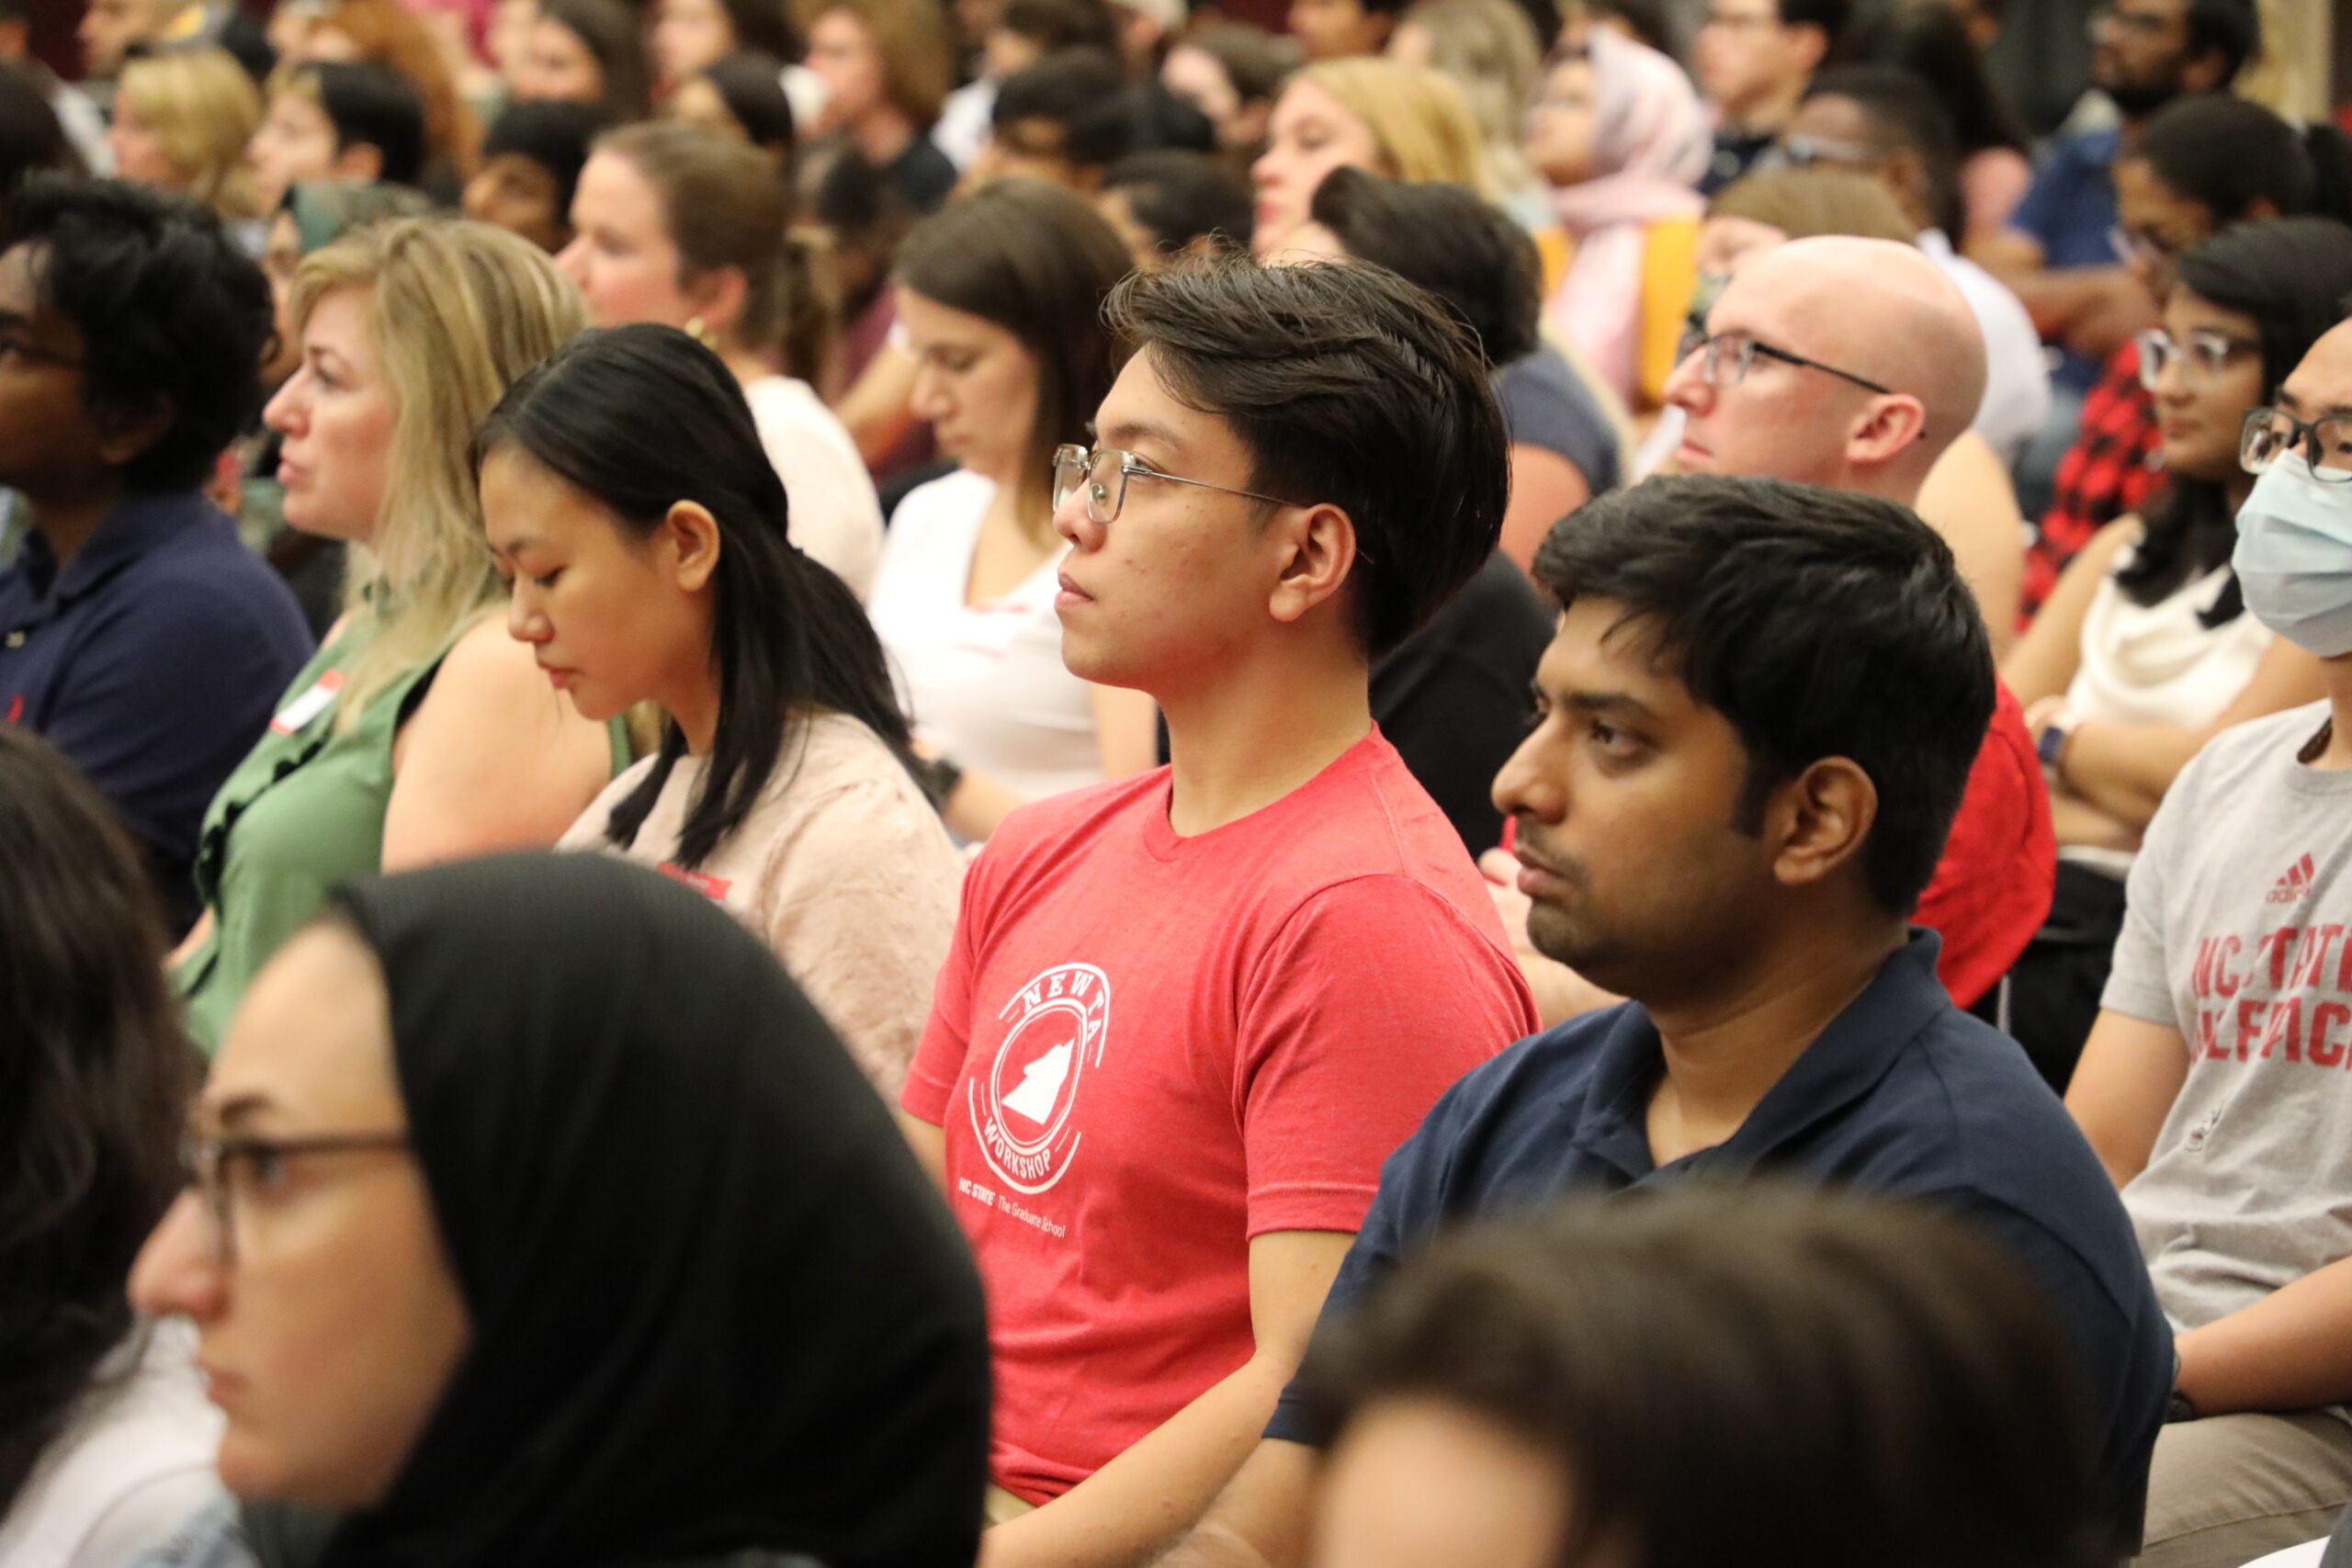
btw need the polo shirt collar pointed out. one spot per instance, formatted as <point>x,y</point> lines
<point>1844,1064</point>
<point>136,525</point>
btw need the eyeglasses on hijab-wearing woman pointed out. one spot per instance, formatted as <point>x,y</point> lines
<point>537,1219</point>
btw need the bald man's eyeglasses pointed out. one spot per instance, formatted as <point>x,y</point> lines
<point>1728,356</point>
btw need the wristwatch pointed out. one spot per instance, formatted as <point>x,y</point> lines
<point>2050,745</point>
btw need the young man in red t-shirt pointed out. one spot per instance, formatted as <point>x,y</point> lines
<point>1187,1015</point>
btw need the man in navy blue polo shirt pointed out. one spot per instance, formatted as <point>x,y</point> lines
<point>136,632</point>
<point>1756,723</point>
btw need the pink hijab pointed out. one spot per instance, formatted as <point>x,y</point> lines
<point>1651,143</point>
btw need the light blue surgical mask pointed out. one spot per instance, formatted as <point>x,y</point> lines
<point>2293,559</point>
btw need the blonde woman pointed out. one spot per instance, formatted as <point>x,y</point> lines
<point>421,731</point>
<point>1403,122</point>
<point>1488,48</point>
<point>181,122</point>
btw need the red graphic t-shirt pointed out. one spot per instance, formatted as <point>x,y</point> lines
<point>1146,1049</point>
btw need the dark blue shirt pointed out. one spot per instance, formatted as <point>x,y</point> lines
<point>153,660</point>
<point>2070,210</point>
<point>1903,1094</point>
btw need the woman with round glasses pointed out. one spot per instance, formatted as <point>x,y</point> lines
<point>616,1261</point>
<point>1001,295</point>
<point>2144,651</point>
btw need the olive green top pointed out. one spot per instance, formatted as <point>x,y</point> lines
<point>303,812</point>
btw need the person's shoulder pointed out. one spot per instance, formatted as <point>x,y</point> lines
<point>1536,1089</point>
<point>954,500</point>
<point>2258,748</point>
<point>200,568</point>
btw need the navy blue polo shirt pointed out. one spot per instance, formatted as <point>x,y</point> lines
<point>2070,210</point>
<point>1903,1094</point>
<point>155,660</point>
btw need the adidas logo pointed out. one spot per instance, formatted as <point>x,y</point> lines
<point>2294,885</point>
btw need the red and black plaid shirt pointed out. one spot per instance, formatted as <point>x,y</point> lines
<point>2107,472</point>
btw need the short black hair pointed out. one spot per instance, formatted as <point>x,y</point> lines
<point>2231,29</point>
<point>752,86</point>
<point>1447,239</point>
<point>553,134</point>
<point>1183,195</point>
<point>2226,153</point>
<point>1062,87</point>
<point>372,106</point>
<point>31,136</point>
<point>1905,113</point>
<point>1348,386</point>
<point>1820,624</point>
<point>1832,17</point>
<point>1061,24</point>
<point>170,310</point>
<point>1142,118</point>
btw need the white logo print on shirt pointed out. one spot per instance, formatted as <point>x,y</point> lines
<point>1023,1106</point>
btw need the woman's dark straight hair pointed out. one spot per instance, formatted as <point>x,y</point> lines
<point>95,1081</point>
<point>2292,276</point>
<point>640,418</point>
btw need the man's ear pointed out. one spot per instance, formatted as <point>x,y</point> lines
<point>1891,424</point>
<point>1317,547</point>
<point>1819,820</point>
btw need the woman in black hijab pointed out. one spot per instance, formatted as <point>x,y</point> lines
<point>710,1305</point>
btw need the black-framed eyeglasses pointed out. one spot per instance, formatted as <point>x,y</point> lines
<point>1103,474</point>
<point>211,1166</point>
<point>2326,443</point>
<point>2202,355</point>
<point>1729,355</point>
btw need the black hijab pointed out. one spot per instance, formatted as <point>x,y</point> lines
<point>715,1304</point>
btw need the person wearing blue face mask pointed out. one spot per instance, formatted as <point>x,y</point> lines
<point>2217,1084</point>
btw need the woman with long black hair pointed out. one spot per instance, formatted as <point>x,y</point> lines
<point>632,507</point>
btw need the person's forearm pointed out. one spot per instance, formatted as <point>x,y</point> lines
<point>2061,302</point>
<point>2125,769</point>
<point>1260,1519</point>
<point>1127,1512</point>
<point>2291,1351</point>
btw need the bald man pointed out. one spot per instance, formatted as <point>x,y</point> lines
<point>1863,367</point>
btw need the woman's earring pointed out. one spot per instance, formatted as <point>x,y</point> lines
<point>699,329</point>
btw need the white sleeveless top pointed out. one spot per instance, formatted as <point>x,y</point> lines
<point>984,683</point>
<point>2159,663</point>
<point>835,517</point>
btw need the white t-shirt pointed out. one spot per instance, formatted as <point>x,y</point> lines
<point>133,1464</point>
<point>984,683</point>
<point>2161,663</point>
<point>835,517</point>
<point>2016,372</point>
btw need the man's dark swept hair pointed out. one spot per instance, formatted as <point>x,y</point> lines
<point>1348,386</point>
<point>1476,257</point>
<point>2231,29</point>
<point>372,106</point>
<point>1904,113</point>
<point>1832,17</point>
<point>1819,623</point>
<point>170,311</point>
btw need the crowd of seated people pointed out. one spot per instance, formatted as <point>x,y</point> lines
<point>1061,784</point>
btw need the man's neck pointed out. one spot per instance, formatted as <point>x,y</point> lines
<point>1245,739</point>
<point>1768,113</point>
<point>67,521</point>
<point>1725,1051</point>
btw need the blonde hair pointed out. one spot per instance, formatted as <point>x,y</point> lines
<point>1803,203</point>
<point>204,108</point>
<point>457,310</point>
<point>1419,119</point>
<point>1489,48</point>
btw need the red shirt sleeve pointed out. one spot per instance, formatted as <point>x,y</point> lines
<point>1377,995</point>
